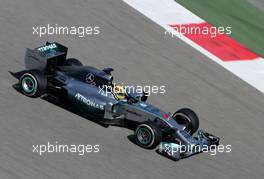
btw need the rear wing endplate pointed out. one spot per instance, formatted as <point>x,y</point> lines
<point>47,57</point>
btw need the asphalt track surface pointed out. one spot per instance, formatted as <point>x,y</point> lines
<point>257,3</point>
<point>141,54</point>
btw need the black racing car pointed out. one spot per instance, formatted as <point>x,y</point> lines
<point>90,90</point>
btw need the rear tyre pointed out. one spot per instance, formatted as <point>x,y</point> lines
<point>148,135</point>
<point>188,118</point>
<point>33,83</point>
<point>72,62</point>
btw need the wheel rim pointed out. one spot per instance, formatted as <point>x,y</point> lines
<point>28,84</point>
<point>144,136</point>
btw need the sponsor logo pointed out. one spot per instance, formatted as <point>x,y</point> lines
<point>47,47</point>
<point>89,78</point>
<point>88,102</point>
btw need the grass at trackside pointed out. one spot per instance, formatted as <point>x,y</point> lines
<point>247,21</point>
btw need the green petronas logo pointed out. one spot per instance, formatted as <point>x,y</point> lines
<point>88,102</point>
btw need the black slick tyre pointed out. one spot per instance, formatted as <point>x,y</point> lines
<point>148,135</point>
<point>188,118</point>
<point>33,83</point>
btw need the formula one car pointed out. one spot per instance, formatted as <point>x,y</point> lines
<point>93,92</point>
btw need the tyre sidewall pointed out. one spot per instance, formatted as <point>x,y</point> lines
<point>40,83</point>
<point>190,116</point>
<point>155,135</point>
<point>33,78</point>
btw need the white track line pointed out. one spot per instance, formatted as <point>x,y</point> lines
<point>166,12</point>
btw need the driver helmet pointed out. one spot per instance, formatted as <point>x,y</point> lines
<point>119,92</point>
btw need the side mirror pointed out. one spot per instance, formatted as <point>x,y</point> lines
<point>108,70</point>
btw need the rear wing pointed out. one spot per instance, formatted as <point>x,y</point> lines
<point>46,58</point>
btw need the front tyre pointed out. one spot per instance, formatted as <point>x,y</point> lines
<point>148,135</point>
<point>188,118</point>
<point>33,84</point>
